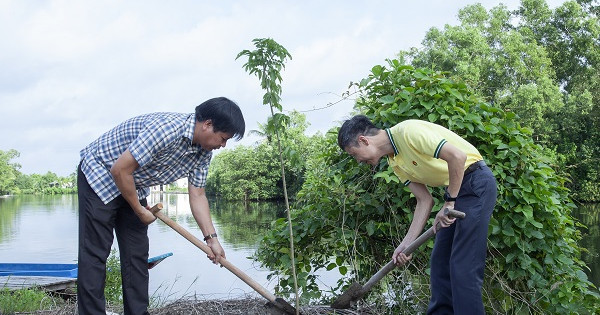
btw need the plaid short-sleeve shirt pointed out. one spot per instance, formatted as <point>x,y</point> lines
<point>161,143</point>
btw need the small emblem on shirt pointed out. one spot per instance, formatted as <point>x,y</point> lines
<point>415,163</point>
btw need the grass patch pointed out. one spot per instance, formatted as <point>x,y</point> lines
<point>113,290</point>
<point>26,300</point>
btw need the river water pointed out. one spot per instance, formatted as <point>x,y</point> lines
<point>43,229</point>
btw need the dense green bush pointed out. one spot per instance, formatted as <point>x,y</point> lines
<point>350,219</point>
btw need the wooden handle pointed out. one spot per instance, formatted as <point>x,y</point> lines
<point>409,250</point>
<point>205,248</point>
<point>454,213</point>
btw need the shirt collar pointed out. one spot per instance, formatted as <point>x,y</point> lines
<point>189,134</point>
<point>392,141</point>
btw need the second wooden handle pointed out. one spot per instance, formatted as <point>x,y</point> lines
<point>205,248</point>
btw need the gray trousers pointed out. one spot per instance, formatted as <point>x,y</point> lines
<point>97,222</point>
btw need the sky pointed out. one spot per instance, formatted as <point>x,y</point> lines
<point>70,70</point>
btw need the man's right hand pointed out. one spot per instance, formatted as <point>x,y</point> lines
<point>144,214</point>
<point>399,257</point>
<point>217,250</point>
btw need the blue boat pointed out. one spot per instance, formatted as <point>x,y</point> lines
<point>56,270</point>
<point>41,270</point>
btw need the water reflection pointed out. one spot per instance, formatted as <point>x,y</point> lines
<point>38,229</point>
<point>8,207</point>
<point>13,208</point>
<point>244,224</point>
<point>240,224</point>
<point>589,214</point>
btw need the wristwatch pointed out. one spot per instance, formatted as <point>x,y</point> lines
<point>448,198</point>
<point>207,237</point>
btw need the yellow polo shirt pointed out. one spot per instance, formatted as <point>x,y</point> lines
<point>417,145</point>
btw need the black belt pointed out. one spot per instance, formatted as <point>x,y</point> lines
<point>475,166</point>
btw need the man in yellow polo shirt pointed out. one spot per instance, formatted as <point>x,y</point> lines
<point>425,154</point>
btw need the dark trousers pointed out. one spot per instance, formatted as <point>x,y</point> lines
<point>458,257</point>
<point>96,224</point>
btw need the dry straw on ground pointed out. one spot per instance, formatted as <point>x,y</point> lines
<point>194,305</point>
<point>235,307</point>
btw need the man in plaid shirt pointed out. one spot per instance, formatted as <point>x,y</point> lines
<point>114,177</point>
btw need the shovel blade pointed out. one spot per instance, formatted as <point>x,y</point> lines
<point>280,307</point>
<point>345,300</point>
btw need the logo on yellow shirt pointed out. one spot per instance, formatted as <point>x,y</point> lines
<point>415,163</point>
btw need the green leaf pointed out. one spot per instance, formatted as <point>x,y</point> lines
<point>528,212</point>
<point>387,99</point>
<point>536,224</point>
<point>508,231</point>
<point>537,234</point>
<point>370,228</point>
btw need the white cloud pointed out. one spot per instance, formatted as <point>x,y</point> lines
<point>73,69</point>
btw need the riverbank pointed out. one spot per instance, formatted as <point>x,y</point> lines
<point>195,305</point>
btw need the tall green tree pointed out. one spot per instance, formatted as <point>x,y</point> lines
<point>508,68</point>
<point>540,63</point>
<point>266,62</point>
<point>571,35</point>
<point>12,181</point>
<point>245,173</point>
<point>298,148</point>
<point>251,172</point>
<point>9,171</point>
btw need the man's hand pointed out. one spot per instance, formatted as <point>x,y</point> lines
<point>217,250</point>
<point>122,173</point>
<point>145,215</point>
<point>399,257</point>
<point>443,219</point>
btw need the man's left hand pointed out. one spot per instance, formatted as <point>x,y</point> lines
<point>443,219</point>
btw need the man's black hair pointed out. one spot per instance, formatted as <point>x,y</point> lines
<point>354,127</point>
<point>224,114</point>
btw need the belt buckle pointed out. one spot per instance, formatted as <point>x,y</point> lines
<point>472,167</point>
